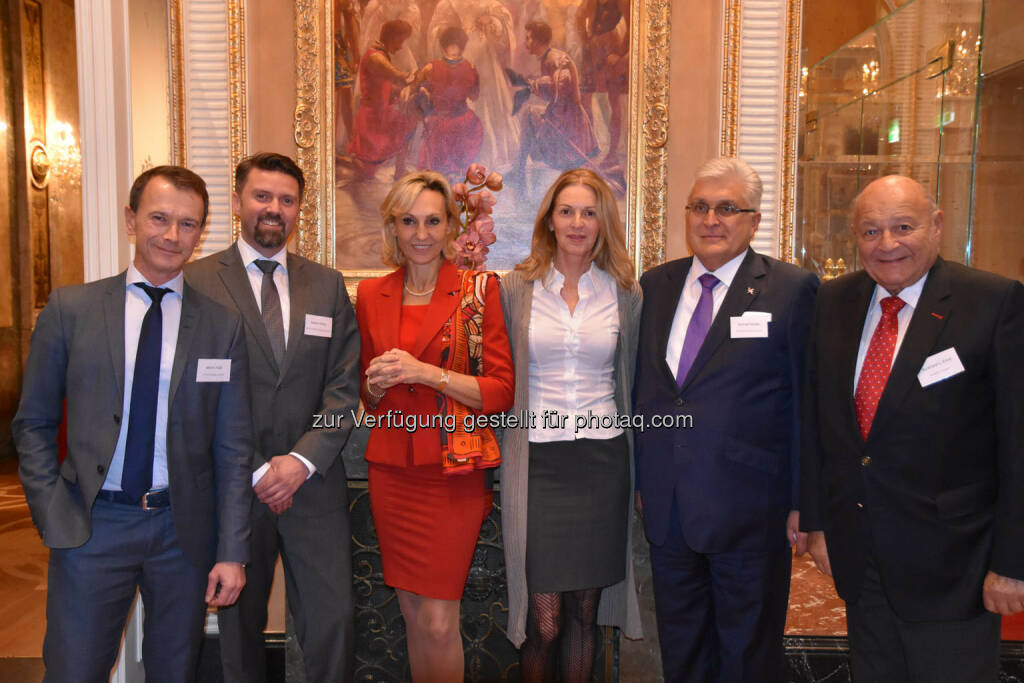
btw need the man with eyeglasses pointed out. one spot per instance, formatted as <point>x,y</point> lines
<point>913,457</point>
<point>722,340</point>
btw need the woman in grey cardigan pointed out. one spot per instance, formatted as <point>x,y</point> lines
<point>572,309</point>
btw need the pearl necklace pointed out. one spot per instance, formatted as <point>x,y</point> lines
<point>423,293</point>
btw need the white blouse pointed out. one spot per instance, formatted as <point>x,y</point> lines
<point>572,356</point>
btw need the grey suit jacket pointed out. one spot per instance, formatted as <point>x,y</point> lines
<point>77,356</point>
<point>319,377</point>
<point>618,605</point>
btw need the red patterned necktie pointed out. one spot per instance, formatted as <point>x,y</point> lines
<point>874,373</point>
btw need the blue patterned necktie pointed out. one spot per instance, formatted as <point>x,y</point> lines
<point>137,475</point>
<point>698,328</point>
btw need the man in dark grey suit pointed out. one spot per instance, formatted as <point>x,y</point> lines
<point>304,352</point>
<point>153,492</point>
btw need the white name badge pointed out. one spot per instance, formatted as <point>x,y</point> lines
<point>319,325</point>
<point>213,370</point>
<point>940,366</point>
<point>752,324</point>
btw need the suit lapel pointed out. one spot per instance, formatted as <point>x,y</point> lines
<point>442,304</point>
<point>744,290</point>
<point>926,324</point>
<point>389,310</point>
<point>186,333</point>
<point>665,306</point>
<point>236,281</point>
<point>298,297</point>
<point>113,311</point>
<point>847,333</point>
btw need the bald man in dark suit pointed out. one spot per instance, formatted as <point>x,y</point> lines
<point>913,456</point>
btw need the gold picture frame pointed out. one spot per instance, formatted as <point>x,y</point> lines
<point>646,109</point>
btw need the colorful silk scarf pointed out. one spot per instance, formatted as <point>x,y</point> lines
<point>467,447</point>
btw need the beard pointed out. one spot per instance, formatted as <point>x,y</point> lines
<point>272,236</point>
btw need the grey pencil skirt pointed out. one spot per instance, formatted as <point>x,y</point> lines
<point>576,514</point>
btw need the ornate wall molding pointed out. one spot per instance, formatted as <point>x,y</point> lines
<point>790,130</point>
<point>759,101</point>
<point>314,112</point>
<point>237,94</point>
<point>730,75</point>
<point>177,81</point>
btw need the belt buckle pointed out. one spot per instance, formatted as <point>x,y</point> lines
<point>145,501</point>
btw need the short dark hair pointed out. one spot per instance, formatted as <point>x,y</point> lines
<point>396,28</point>
<point>179,176</point>
<point>269,161</point>
<point>540,30</point>
<point>453,35</point>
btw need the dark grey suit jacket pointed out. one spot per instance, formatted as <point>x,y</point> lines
<point>320,375</point>
<point>77,356</point>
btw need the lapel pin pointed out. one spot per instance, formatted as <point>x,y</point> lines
<point>751,291</point>
<point>936,315</point>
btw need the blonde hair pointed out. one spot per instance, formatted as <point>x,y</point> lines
<point>401,197</point>
<point>609,252</point>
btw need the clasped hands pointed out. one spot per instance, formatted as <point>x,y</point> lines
<point>395,367</point>
<point>280,482</point>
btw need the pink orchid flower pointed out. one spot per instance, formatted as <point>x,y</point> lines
<point>476,174</point>
<point>493,181</point>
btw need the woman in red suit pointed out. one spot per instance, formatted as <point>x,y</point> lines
<point>435,355</point>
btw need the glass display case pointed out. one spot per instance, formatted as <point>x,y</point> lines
<point>902,97</point>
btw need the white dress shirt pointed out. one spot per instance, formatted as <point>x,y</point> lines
<point>910,296</point>
<point>572,356</point>
<point>136,303</point>
<point>249,258</point>
<point>688,302</point>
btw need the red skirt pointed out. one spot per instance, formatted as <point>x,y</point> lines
<point>427,525</point>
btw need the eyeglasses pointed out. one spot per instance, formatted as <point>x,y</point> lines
<point>723,210</point>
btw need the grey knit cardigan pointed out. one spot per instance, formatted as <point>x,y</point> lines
<point>618,605</point>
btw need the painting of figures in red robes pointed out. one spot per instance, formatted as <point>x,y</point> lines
<point>528,88</point>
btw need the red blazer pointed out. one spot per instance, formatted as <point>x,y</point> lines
<point>378,310</point>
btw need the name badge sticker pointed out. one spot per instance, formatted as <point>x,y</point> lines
<point>940,366</point>
<point>319,325</point>
<point>213,370</point>
<point>750,325</point>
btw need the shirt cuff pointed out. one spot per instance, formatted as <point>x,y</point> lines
<point>310,467</point>
<point>258,474</point>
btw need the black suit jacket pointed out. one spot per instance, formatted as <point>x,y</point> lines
<point>320,375</point>
<point>935,493</point>
<point>77,354</point>
<point>734,472</point>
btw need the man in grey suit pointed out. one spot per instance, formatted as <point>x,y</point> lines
<point>153,491</point>
<point>304,352</point>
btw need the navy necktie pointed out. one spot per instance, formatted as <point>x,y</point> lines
<point>698,328</point>
<point>137,475</point>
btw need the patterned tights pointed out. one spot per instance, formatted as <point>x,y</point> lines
<point>569,617</point>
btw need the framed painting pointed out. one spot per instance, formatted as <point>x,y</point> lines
<point>527,88</point>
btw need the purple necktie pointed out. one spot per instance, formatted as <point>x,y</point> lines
<point>698,328</point>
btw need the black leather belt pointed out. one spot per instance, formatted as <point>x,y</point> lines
<point>158,498</point>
